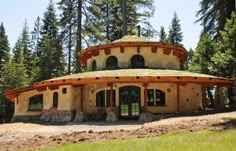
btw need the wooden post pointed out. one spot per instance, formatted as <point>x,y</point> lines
<point>178,98</point>
<point>111,97</point>
<point>81,98</point>
<point>203,97</point>
<point>145,97</point>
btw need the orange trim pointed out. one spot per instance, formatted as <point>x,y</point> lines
<point>138,49</point>
<point>122,49</point>
<point>111,97</point>
<point>178,98</point>
<point>82,98</point>
<point>167,51</point>
<point>154,49</point>
<point>85,53</point>
<point>107,51</point>
<point>203,98</point>
<point>145,97</point>
<point>42,86</point>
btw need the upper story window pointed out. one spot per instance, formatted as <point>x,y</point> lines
<point>112,62</point>
<point>55,100</point>
<point>36,102</point>
<point>137,61</point>
<point>94,65</point>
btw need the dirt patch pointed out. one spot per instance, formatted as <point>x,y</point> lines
<point>35,136</point>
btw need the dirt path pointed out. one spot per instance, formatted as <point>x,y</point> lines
<point>24,136</point>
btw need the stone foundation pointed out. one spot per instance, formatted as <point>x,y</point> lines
<point>26,118</point>
<point>146,117</point>
<point>111,117</point>
<point>56,115</point>
<point>80,117</point>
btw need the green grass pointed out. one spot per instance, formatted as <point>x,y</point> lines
<point>224,140</point>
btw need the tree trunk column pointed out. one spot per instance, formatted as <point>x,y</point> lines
<point>145,97</point>
<point>82,98</point>
<point>203,98</point>
<point>178,98</point>
<point>111,97</point>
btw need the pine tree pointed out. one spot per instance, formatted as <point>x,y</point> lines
<point>52,57</point>
<point>35,37</point>
<point>188,62</point>
<point>175,33</point>
<point>26,46</point>
<point>224,60</point>
<point>4,48</point>
<point>162,35</point>
<point>213,15</point>
<point>202,56</point>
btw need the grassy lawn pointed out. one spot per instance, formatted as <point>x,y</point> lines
<point>224,140</point>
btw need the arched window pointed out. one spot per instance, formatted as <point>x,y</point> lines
<point>137,61</point>
<point>112,62</point>
<point>55,99</point>
<point>94,65</point>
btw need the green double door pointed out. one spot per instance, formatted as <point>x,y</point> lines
<point>129,97</point>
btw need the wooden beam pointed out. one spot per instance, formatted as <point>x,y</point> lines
<point>111,97</point>
<point>82,98</point>
<point>203,97</point>
<point>178,97</point>
<point>145,97</point>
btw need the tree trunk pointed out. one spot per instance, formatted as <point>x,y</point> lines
<point>124,17</point>
<point>69,53</point>
<point>79,35</point>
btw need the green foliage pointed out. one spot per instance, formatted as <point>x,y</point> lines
<point>104,19</point>
<point>188,62</point>
<point>52,62</point>
<point>175,34</point>
<point>224,60</point>
<point>202,56</point>
<point>4,47</point>
<point>213,14</point>
<point>187,141</point>
<point>162,35</point>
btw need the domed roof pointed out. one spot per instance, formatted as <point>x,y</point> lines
<point>132,38</point>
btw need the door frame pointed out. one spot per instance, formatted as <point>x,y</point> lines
<point>129,87</point>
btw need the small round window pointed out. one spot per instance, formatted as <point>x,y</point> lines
<point>112,62</point>
<point>137,61</point>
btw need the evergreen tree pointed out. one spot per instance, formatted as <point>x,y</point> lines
<point>162,35</point>
<point>202,56</point>
<point>26,46</point>
<point>213,15</point>
<point>35,37</point>
<point>4,48</point>
<point>52,58</point>
<point>188,62</point>
<point>175,34</point>
<point>106,21</point>
<point>224,60</point>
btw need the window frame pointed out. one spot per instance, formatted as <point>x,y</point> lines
<point>109,60</point>
<point>55,105</point>
<point>106,98</point>
<point>162,97</point>
<point>29,103</point>
<point>94,65</point>
<point>135,58</point>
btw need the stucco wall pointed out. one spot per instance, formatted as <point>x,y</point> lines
<point>152,60</point>
<point>190,96</point>
<point>64,100</point>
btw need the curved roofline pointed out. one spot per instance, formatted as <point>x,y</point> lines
<point>80,79</point>
<point>87,53</point>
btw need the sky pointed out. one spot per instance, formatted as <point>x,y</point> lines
<point>14,12</point>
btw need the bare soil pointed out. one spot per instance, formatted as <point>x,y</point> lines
<point>17,136</point>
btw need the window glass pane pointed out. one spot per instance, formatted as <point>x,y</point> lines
<point>108,98</point>
<point>36,102</point>
<point>150,97</point>
<point>112,62</point>
<point>137,61</point>
<point>100,99</point>
<point>94,65</point>
<point>64,90</point>
<point>160,98</point>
